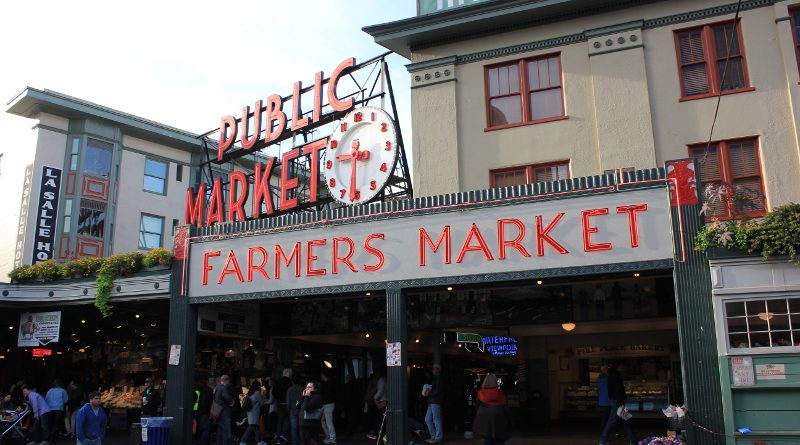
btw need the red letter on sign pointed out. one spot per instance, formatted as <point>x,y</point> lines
<point>206,266</point>
<point>351,247</point>
<point>298,122</point>
<point>515,243</point>
<point>424,239</point>
<point>377,253</point>
<point>280,258</point>
<point>195,208</point>
<point>215,213</point>
<point>275,114</point>
<point>231,267</point>
<point>225,140</point>
<point>310,258</point>
<point>249,141</point>
<point>261,189</point>
<point>333,100</point>
<point>313,150</point>
<point>632,221</point>
<point>237,195</point>
<point>286,183</point>
<point>474,232</point>
<point>317,98</point>
<point>589,230</point>
<point>542,236</point>
<point>251,266</point>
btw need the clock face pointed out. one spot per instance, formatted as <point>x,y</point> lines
<point>360,155</point>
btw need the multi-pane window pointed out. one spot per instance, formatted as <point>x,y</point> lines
<point>155,176</point>
<point>763,323</point>
<point>528,174</point>
<point>711,59</point>
<point>97,158</point>
<point>732,166</point>
<point>67,225</point>
<point>524,91</point>
<point>73,154</point>
<point>151,231</point>
<point>92,218</point>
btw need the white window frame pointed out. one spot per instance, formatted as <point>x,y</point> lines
<point>723,341</point>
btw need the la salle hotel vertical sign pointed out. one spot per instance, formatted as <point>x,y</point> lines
<point>46,213</point>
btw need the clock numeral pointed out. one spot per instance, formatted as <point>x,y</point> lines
<point>329,165</point>
<point>356,196</point>
<point>334,144</point>
<point>342,192</point>
<point>383,167</point>
<point>358,117</point>
<point>343,127</point>
<point>332,182</point>
<point>373,185</point>
<point>373,116</point>
<point>388,146</point>
<point>384,127</point>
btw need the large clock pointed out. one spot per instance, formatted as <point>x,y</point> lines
<point>360,155</point>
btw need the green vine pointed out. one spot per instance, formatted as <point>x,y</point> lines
<point>122,264</point>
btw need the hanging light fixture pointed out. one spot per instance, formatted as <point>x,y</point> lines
<point>569,326</point>
<point>765,316</point>
<point>327,364</point>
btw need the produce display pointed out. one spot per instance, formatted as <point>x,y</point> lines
<point>125,399</point>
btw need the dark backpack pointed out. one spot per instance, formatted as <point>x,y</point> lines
<point>247,404</point>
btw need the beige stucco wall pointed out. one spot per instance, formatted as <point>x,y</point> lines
<point>623,107</point>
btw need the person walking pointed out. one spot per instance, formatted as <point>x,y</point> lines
<point>251,407</point>
<point>327,391</point>
<point>90,425</point>
<point>224,400</point>
<point>293,396</point>
<point>602,396</point>
<point>39,408</point>
<point>281,387</point>
<point>204,400</point>
<point>492,420</point>
<point>433,416</point>
<point>74,403</point>
<point>56,399</point>
<point>381,401</point>
<point>311,409</point>
<point>151,399</point>
<point>616,399</point>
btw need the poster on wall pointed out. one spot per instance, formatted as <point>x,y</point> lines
<point>743,374</point>
<point>394,354</point>
<point>46,213</point>
<point>38,328</point>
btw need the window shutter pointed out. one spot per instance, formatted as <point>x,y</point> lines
<point>743,159</point>
<point>694,72</point>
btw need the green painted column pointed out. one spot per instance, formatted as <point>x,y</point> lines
<point>396,378</point>
<point>180,377</point>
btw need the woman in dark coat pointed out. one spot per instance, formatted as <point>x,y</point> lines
<point>492,421</point>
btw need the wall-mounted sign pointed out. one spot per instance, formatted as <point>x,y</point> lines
<point>41,352</point>
<point>500,346</point>
<point>46,213</point>
<point>38,329</point>
<point>174,355</point>
<point>394,354</point>
<point>742,368</point>
<point>23,216</point>
<point>620,227</point>
<point>771,371</point>
<point>621,351</point>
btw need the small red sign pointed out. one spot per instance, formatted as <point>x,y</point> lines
<point>41,352</point>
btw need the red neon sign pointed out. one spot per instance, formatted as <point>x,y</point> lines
<point>41,352</point>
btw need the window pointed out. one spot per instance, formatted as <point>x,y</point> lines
<point>92,218</point>
<point>733,163</point>
<point>529,174</point>
<point>73,154</point>
<point>794,15</point>
<point>67,225</point>
<point>155,176</point>
<point>151,229</point>
<point>525,91</point>
<point>179,173</point>
<point>702,53</point>
<point>763,323</point>
<point>97,161</point>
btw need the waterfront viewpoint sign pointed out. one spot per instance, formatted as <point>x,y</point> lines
<point>620,227</point>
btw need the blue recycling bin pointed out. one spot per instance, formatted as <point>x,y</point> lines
<point>155,430</point>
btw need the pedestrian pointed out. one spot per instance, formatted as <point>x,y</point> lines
<point>293,396</point>
<point>224,402</point>
<point>281,387</point>
<point>616,399</point>
<point>433,416</point>
<point>492,420</point>
<point>251,408</point>
<point>56,399</point>
<point>311,411</point>
<point>327,391</point>
<point>205,397</point>
<point>380,402</point>
<point>90,425</point>
<point>602,396</point>
<point>74,403</point>
<point>151,399</point>
<point>39,408</point>
<point>352,403</point>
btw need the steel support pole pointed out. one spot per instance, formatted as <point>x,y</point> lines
<point>397,379</point>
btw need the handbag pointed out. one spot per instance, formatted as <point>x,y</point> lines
<point>623,413</point>
<point>216,410</point>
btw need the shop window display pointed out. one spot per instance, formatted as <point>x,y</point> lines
<point>763,323</point>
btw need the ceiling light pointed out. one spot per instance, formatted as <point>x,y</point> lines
<point>306,355</point>
<point>327,364</point>
<point>538,281</point>
<point>153,324</point>
<point>97,331</point>
<point>369,294</point>
<point>58,352</point>
<point>766,315</point>
<point>449,288</point>
<point>459,345</point>
<point>568,326</point>
<point>83,321</point>
<point>119,327</point>
<point>11,328</point>
<point>636,274</point>
<point>137,315</point>
<point>81,350</point>
<point>416,341</point>
<point>366,335</point>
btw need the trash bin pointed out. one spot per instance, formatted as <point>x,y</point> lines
<point>136,434</point>
<point>155,430</point>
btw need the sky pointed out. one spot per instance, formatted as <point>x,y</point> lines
<point>181,63</point>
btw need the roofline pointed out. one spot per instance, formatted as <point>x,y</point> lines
<point>31,101</point>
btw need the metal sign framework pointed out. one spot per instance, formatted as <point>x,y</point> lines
<point>368,83</point>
